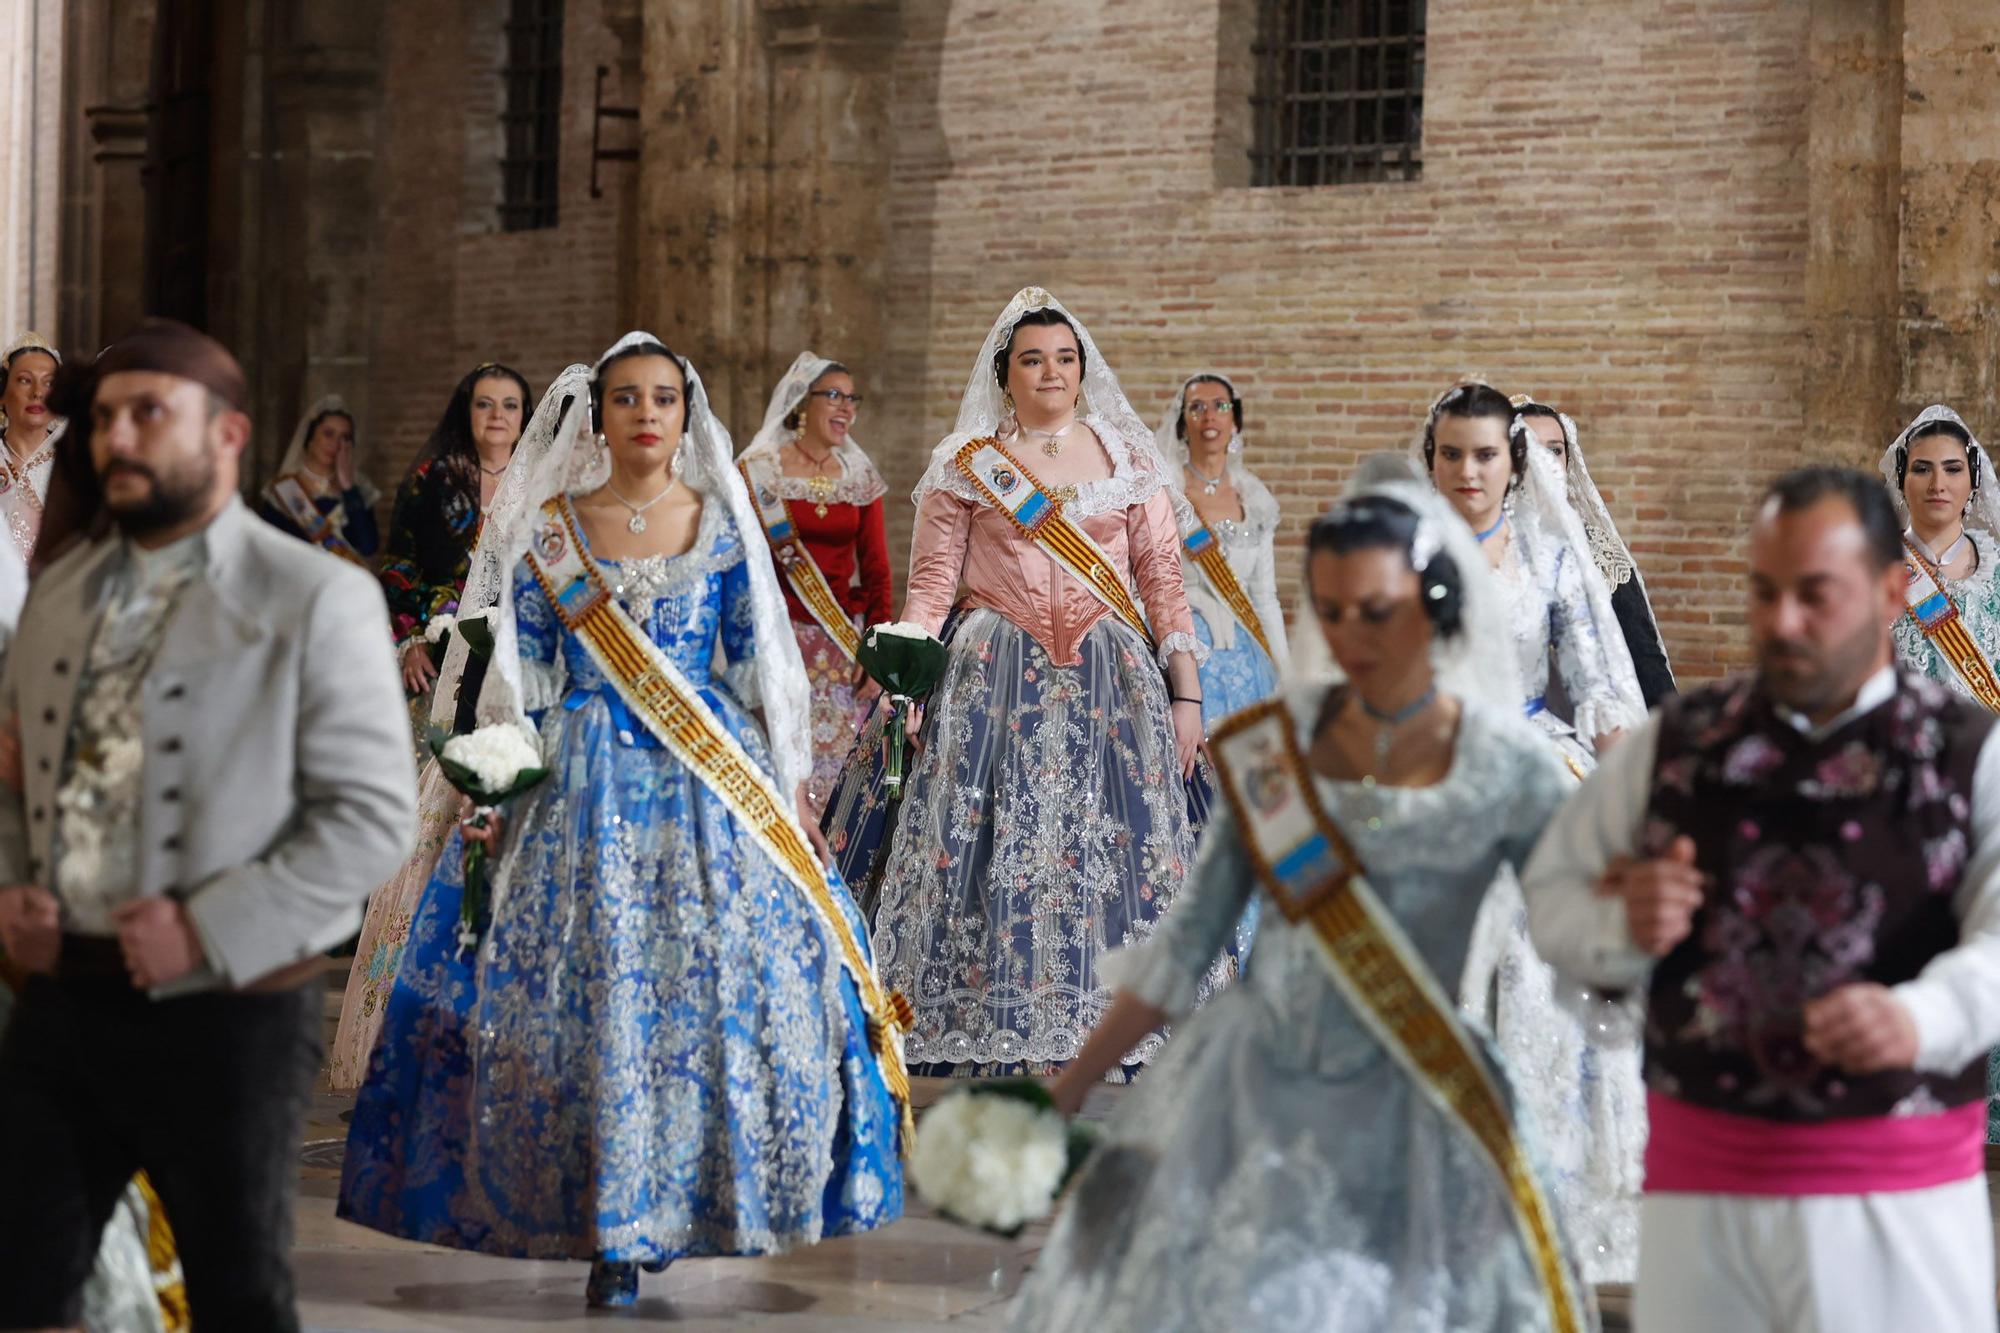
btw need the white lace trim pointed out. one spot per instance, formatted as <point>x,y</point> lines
<point>1130,483</point>
<point>1151,973</point>
<point>741,678</point>
<point>1180,641</point>
<point>858,484</point>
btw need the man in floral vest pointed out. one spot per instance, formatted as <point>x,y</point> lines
<point>1799,870</point>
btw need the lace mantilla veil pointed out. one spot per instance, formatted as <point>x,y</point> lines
<point>1259,505</point>
<point>1541,509</point>
<point>1477,664</point>
<point>558,455</point>
<point>295,452</point>
<point>1982,515</point>
<point>34,342</point>
<point>860,483</point>
<point>1171,446</point>
<point>1102,406</point>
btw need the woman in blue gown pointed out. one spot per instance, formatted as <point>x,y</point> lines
<point>1202,435</point>
<point>656,1051</point>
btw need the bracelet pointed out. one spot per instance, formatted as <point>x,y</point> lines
<point>1183,699</point>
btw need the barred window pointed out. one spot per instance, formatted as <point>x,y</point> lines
<point>1340,92</point>
<point>531,118</point>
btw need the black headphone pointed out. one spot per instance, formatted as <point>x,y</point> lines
<point>1940,426</point>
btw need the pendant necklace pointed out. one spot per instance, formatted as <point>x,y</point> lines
<point>1209,485</point>
<point>818,486</point>
<point>1051,439</point>
<point>637,523</point>
<point>1387,723</point>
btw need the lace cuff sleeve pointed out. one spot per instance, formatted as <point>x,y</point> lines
<point>1153,974</point>
<point>543,684</point>
<point>1182,642</point>
<point>741,678</point>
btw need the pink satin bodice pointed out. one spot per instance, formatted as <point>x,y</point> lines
<point>962,544</point>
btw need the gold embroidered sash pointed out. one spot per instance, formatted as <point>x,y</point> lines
<point>1310,870</point>
<point>663,699</point>
<point>319,529</point>
<point>796,563</point>
<point>1938,619</point>
<point>1009,487</point>
<point>1206,551</point>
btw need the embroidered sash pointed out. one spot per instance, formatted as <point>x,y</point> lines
<point>1937,617</point>
<point>1013,490</point>
<point>801,571</point>
<point>1207,553</point>
<point>319,529</point>
<point>1312,874</point>
<point>662,698</point>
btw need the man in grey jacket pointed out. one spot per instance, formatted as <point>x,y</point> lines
<point>215,771</point>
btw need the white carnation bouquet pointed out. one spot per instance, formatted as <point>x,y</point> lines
<point>996,1154</point>
<point>492,764</point>
<point>907,661</point>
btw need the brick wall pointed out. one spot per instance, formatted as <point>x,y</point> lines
<point>1613,215</point>
<point>453,289</point>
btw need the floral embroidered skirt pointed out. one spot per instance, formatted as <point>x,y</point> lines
<point>1044,824</point>
<point>1232,678</point>
<point>835,715</point>
<point>655,1052</point>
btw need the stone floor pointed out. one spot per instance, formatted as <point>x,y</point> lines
<point>921,1273</point>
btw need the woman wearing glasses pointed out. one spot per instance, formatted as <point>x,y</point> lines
<point>820,500</point>
<point>1228,521</point>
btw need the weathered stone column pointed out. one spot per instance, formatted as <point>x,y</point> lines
<point>1950,254</point>
<point>764,210</point>
<point>1852,373</point>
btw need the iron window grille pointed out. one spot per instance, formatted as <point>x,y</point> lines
<point>1340,92</point>
<point>531,121</point>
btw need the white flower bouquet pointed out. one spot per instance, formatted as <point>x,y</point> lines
<point>907,661</point>
<point>491,764</point>
<point>996,1154</point>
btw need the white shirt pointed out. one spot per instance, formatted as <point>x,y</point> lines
<point>1954,1001</point>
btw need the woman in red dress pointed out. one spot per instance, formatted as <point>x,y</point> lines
<point>821,503</point>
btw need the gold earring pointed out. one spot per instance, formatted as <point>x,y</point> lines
<point>1007,399</point>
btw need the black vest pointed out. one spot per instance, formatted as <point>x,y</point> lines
<point>1830,861</point>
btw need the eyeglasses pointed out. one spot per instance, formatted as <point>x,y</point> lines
<point>1200,409</point>
<point>836,397</point>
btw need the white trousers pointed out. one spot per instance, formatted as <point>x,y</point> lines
<point>1840,1263</point>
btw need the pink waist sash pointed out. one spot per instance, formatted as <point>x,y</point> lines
<point>1693,1150</point>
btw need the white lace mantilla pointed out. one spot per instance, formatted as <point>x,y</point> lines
<point>1127,485</point>
<point>857,484</point>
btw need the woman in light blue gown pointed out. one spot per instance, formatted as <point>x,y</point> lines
<point>1202,436</point>
<point>1281,1169</point>
<point>656,1052</point>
